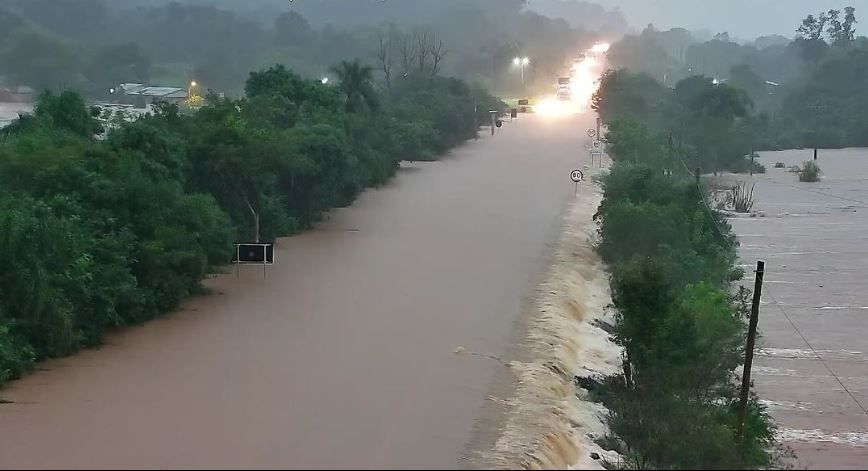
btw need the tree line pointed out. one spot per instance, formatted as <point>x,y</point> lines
<point>806,91</point>
<point>681,323</point>
<point>92,45</point>
<point>97,233</point>
<point>699,122</point>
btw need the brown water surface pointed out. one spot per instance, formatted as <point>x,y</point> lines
<point>343,356</point>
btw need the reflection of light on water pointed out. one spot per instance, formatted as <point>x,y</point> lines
<point>551,106</point>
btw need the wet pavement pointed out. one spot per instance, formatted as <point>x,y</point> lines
<point>344,354</point>
<point>812,370</point>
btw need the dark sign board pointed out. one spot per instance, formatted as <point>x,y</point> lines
<point>523,102</point>
<point>253,253</point>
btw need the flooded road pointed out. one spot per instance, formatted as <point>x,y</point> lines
<point>812,369</point>
<point>344,355</point>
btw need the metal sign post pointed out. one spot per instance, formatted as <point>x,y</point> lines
<point>576,176</point>
<point>597,149</point>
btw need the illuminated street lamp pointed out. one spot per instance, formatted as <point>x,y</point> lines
<point>190,89</point>
<point>522,62</point>
<point>324,80</point>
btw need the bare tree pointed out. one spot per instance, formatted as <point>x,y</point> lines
<point>422,39</point>
<point>388,43</point>
<point>408,54</point>
<point>437,54</point>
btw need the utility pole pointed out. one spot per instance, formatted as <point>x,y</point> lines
<point>748,355</point>
<point>750,137</point>
<point>475,120</point>
<point>751,159</point>
<point>671,157</point>
<point>816,108</point>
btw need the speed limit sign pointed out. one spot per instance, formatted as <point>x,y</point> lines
<point>577,176</point>
<point>597,144</point>
<point>592,133</point>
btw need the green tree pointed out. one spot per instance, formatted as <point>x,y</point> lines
<point>848,31</point>
<point>355,81</point>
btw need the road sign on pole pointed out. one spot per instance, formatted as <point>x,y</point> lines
<point>253,254</point>
<point>576,176</point>
<point>592,133</point>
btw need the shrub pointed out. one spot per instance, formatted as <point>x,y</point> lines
<point>742,198</point>
<point>672,261</point>
<point>810,172</point>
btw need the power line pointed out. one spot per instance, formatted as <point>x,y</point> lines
<point>816,355</point>
<point>830,195</point>
<point>777,303</point>
<point>711,211</point>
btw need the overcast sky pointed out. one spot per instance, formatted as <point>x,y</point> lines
<point>742,18</point>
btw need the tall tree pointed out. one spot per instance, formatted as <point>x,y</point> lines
<point>836,28</point>
<point>847,28</point>
<point>356,84</point>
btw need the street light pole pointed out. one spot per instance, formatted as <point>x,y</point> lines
<point>521,62</point>
<point>190,90</point>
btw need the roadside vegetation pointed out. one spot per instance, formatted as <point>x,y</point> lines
<point>100,233</point>
<point>806,91</point>
<point>679,317</point>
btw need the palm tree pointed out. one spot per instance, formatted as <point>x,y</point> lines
<point>356,83</point>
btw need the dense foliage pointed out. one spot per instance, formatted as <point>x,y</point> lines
<point>97,233</point>
<point>698,122</point>
<point>807,91</point>
<point>682,330</point>
<point>93,45</point>
<point>673,261</point>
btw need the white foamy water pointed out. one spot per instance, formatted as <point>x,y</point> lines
<point>798,353</point>
<point>859,439</point>
<point>549,425</point>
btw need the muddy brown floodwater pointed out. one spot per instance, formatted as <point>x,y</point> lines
<point>344,355</point>
<point>812,369</point>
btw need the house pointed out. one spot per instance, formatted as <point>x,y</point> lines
<point>142,95</point>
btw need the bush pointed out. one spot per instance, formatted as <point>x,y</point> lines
<point>96,234</point>
<point>810,172</point>
<point>672,261</point>
<point>742,198</point>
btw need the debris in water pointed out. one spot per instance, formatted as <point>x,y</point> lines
<point>461,350</point>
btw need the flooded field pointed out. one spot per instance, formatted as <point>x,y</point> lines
<point>9,112</point>
<point>812,369</point>
<point>373,342</point>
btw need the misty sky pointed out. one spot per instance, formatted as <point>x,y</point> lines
<point>742,18</point>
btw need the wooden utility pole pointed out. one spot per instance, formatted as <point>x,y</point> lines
<point>748,355</point>
<point>816,108</point>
